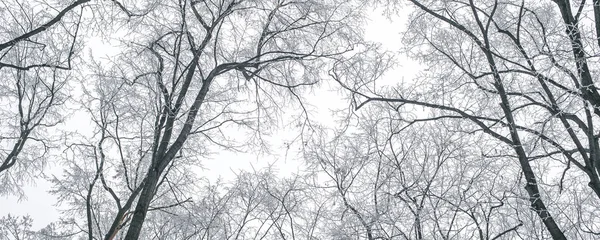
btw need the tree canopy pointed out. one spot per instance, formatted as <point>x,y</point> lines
<point>493,138</point>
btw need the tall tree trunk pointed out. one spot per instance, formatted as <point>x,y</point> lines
<point>531,186</point>
<point>141,209</point>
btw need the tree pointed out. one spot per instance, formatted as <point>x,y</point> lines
<point>38,47</point>
<point>507,99</point>
<point>520,72</point>
<point>12,227</point>
<point>390,178</point>
<point>194,77</point>
<point>254,205</point>
<point>16,228</point>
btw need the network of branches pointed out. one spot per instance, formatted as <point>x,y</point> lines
<point>122,106</point>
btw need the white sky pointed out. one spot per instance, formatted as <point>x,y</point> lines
<point>40,205</point>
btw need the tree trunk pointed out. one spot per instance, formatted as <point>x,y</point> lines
<point>141,209</point>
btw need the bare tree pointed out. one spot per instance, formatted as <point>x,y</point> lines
<point>194,77</point>
<point>255,205</point>
<point>520,72</point>
<point>507,99</point>
<point>19,228</point>
<point>391,178</point>
<point>38,46</point>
